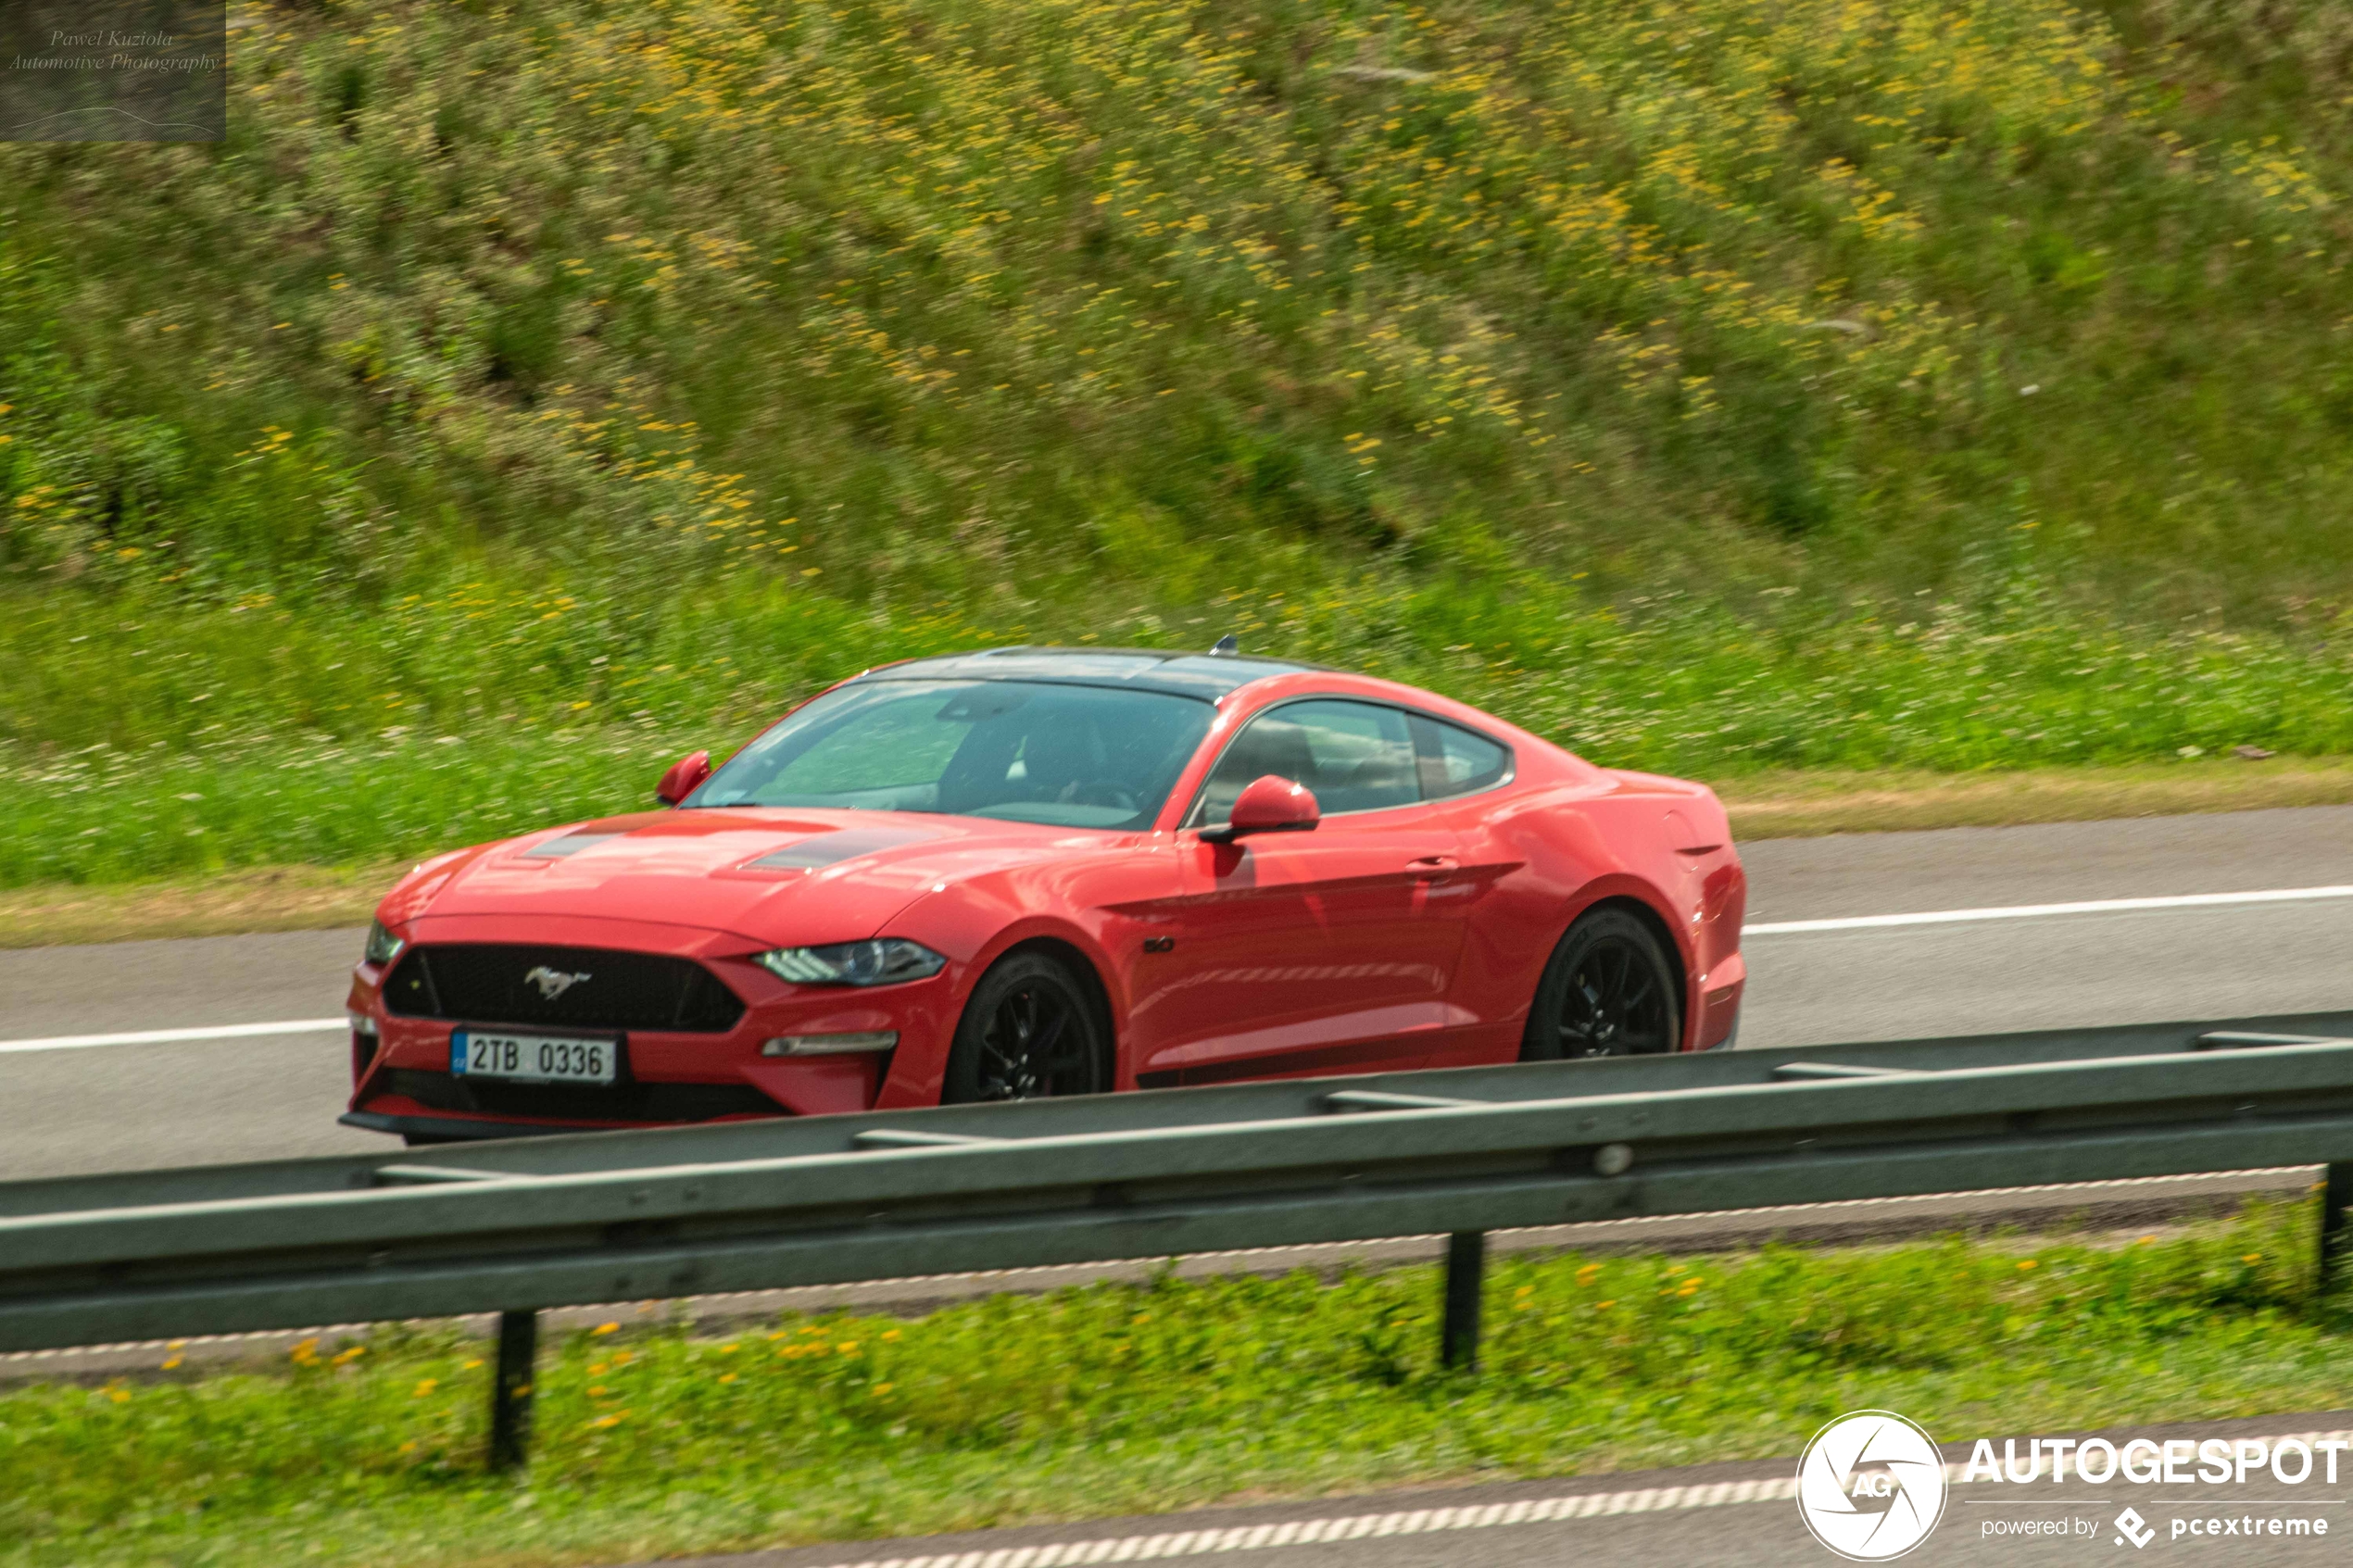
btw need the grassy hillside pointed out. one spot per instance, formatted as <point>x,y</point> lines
<point>526,390</point>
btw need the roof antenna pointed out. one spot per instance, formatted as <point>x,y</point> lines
<point>1226,647</point>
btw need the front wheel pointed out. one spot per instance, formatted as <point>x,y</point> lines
<point>1608,991</point>
<point>1030,1031</point>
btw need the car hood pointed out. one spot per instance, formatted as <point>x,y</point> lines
<point>775,878</point>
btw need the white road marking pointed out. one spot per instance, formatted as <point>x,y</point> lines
<point>1780,928</point>
<point>168,1036</point>
<point>1416,1521</point>
<point>1353,1526</point>
<point>2032,912</point>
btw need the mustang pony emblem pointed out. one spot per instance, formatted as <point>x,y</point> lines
<point>551,983</point>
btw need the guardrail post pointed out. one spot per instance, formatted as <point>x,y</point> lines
<point>1466,1283</point>
<point>510,1391</point>
<point>2336,1236</point>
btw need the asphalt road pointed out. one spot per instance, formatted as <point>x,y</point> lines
<point>129,1106</point>
<point>114,1106</point>
<point>1706,1516</point>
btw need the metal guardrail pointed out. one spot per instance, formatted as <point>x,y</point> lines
<point>517,1225</point>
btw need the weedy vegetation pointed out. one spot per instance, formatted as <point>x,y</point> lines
<point>1127,1398</point>
<point>1715,385</point>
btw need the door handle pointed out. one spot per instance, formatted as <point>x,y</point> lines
<point>1433,863</point>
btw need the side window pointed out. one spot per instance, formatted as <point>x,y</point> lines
<point>1455,762</point>
<point>1354,756</point>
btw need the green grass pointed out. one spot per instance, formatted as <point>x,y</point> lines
<point>1116,1398</point>
<point>406,744</point>
<point>1715,385</point>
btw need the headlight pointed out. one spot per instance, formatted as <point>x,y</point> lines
<point>382,946</point>
<point>886,961</point>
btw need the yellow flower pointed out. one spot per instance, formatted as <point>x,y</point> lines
<point>425,1386</point>
<point>606,1328</point>
<point>2026,1263</point>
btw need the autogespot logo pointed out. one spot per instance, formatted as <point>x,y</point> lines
<point>1871,1485</point>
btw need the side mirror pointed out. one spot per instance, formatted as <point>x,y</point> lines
<point>685,777</point>
<point>1268,804</point>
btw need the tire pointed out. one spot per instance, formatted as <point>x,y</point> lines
<point>1608,990</point>
<point>1031,1031</point>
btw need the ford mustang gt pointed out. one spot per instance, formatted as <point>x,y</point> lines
<point>1033,871</point>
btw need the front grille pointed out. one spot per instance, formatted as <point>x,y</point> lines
<point>576,1102</point>
<point>595,988</point>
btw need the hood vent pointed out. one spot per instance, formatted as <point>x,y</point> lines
<point>570,844</point>
<point>832,848</point>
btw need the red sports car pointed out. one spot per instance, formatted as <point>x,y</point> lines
<point>1036,871</point>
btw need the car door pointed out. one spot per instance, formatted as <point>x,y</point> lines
<point>1462,777</point>
<point>1314,951</point>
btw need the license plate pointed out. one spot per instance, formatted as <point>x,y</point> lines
<point>531,1058</point>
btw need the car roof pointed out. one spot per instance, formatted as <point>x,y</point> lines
<point>1209,676</point>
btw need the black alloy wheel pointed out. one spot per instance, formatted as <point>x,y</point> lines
<point>1608,991</point>
<point>1030,1031</point>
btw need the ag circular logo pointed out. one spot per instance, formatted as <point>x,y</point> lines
<point>1871,1485</point>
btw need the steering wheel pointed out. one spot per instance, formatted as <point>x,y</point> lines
<point>1100,792</point>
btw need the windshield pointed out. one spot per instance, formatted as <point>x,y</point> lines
<point>1023,751</point>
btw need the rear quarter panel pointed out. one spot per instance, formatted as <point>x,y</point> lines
<point>1579,842</point>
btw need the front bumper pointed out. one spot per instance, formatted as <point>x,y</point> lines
<point>452,1128</point>
<point>402,1081</point>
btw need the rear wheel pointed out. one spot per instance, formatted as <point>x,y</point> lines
<point>1608,991</point>
<point>1030,1031</point>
